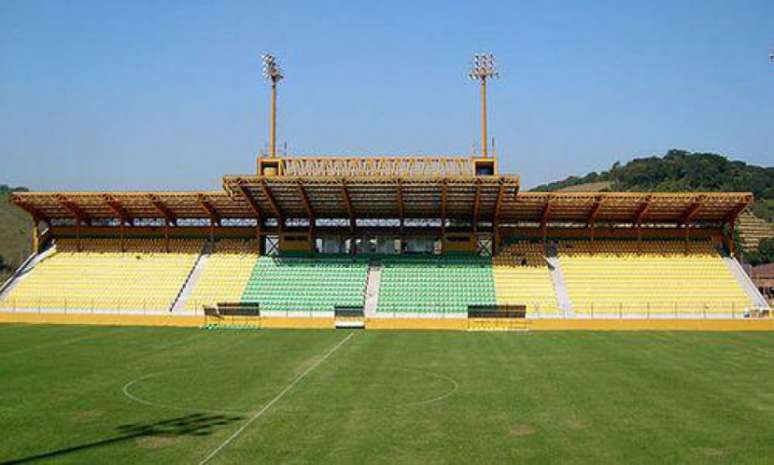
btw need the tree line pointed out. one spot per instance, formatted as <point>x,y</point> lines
<point>680,170</point>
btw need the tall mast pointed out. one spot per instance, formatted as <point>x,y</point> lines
<point>483,68</point>
<point>273,73</point>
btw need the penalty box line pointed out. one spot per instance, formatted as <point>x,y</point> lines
<point>276,398</point>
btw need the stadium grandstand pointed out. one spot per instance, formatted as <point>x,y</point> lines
<point>422,238</point>
<point>437,241</point>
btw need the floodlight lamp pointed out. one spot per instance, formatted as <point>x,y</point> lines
<point>271,69</point>
<point>483,67</point>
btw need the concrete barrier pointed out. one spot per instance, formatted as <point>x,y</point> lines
<point>449,324</point>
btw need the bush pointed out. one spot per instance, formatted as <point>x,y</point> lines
<point>764,254</point>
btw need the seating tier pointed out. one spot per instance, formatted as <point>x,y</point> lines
<point>522,277</point>
<point>102,277</point>
<point>224,275</point>
<point>306,284</point>
<point>435,284</point>
<point>654,277</point>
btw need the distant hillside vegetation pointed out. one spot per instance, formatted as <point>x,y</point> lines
<point>680,170</point>
<point>603,186</point>
<point>15,235</point>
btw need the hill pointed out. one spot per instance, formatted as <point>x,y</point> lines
<point>603,186</point>
<point>680,170</point>
<point>15,227</point>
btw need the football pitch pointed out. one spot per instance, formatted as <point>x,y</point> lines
<point>127,395</point>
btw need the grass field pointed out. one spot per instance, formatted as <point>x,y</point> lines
<point>110,395</point>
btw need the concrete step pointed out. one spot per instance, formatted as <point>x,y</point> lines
<point>190,283</point>
<point>560,288</point>
<point>759,301</point>
<point>29,264</point>
<point>372,289</point>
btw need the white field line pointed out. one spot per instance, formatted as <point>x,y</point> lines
<point>279,396</point>
<point>449,379</point>
<point>128,393</point>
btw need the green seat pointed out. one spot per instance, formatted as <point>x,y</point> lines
<point>435,284</point>
<point>316,284</point>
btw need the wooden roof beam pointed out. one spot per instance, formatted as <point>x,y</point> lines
<point>162,208</point>
<point>251,202</point>
<point>209,208</point>
<point>733,214</point>
<point>499,201</point>
<point>546,212</point>
<point>476,206</point>
<point>36,215</point>
<point>348,203</point>
<point>691,211</point>
<point>642,210</point>
<point>590,219</point>
<point>73,208</point>
<point>399,195</point>
<point>272,203</point>
<point>444,194</point>
<point>306,202</point>
<point>116,207</point>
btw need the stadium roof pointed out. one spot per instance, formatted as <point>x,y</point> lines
<point>383,166</point>
<point>463,197</point>
<point>626,207</point>
<point>464,188</point>
<point>374,197</point>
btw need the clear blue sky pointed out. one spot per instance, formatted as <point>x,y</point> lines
<point>154,95</point>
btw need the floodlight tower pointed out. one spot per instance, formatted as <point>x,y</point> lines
<point>483,68</point>
<point>273,73</point>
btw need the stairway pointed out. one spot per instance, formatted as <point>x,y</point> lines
<point>193,277</point>
<point>29,264</point>
<point>560,289</point>
<point>372,289</point>
<point>746,283</point>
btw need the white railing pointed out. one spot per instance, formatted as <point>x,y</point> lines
<point>589,310</point>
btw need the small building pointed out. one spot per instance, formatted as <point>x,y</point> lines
<point>763,277</point>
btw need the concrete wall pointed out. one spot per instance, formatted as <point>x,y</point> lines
<point>450,324</point>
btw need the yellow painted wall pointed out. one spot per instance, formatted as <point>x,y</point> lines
<point>583,325</point>
<point>159,320</point>
<point>277,322</point>
<point>295,246</point>
<point>451,324</point>
<point>654,325</point>
<point>298,323</point>
<point>460,245</point>
<point>457,324</point>
<point>102,319</point>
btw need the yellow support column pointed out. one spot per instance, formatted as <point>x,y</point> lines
<point>35,239</point>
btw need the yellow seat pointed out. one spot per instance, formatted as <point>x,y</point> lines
<point>650,277</point>
<point>102,276</point>
<point>522,277</point>
<point>225,274</point>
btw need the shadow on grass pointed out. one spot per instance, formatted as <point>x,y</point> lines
<point>196,424</point>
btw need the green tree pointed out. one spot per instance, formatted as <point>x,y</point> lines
<point>680,170</point>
